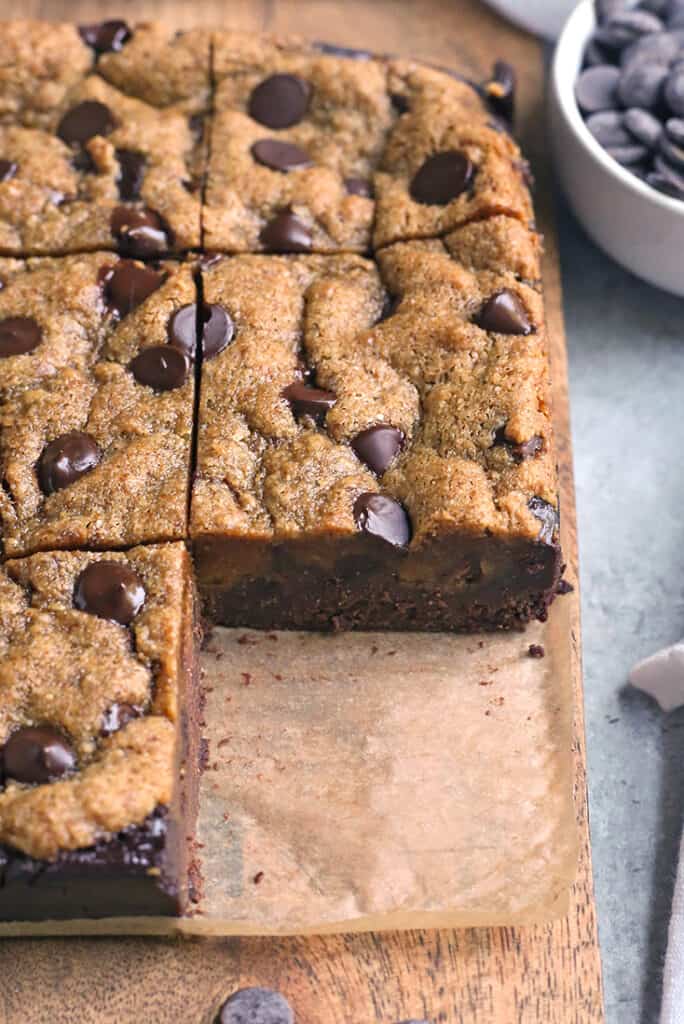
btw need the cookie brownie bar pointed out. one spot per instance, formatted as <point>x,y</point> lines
<point>374,446</point>
<point>307,147</point>
<point>99,755</point>
<point>96,402</point>
<point>101,137</point>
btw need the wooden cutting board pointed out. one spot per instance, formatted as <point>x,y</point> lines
<point>542,975</point>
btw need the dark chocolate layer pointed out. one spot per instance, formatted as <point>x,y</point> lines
<point>119,877</point>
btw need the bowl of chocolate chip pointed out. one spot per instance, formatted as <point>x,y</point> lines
<point>616,101</point>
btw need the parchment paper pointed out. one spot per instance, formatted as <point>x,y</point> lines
<point>372,781</point>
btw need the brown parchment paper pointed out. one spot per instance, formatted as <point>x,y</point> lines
<point>374,781</point>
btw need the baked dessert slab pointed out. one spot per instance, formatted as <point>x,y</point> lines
<point>96,402</point>
<point>101,137</point>
<point>100,758</point>
<point>312,147</point>
<point>374,443</point>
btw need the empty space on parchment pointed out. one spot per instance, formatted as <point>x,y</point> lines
<point>385,780</point>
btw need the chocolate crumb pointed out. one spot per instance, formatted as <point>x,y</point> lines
<point>258,877</point>
<point>536,651</point>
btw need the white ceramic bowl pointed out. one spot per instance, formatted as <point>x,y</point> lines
<point>639,227</point>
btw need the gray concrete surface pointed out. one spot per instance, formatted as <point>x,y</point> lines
<point>626,349</point>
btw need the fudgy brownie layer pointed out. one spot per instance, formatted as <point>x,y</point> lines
<point>127,876</point>
<point>458,585</point>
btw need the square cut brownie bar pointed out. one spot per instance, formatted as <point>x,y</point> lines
<point>96,402</point>
<point>303,141</point>
<point>374,445</point>
<point>100,137</point>
<point>99,756</point>
<point>447,161</point>
<point>296,135</point>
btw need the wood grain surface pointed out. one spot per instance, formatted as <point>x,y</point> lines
<point>542,975</point>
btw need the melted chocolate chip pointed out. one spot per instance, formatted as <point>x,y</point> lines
<point>390,304</point>
<point>162,367</point>
<point>280,101</point>
<point>19,335</point>
<point>85,121</point>
<point>83,162</point>
<point>399,102</point>
<point>308,401</point>
<point>519,450</point>
<point>548,517</point>
<point>504,313</point>
<point>8,169</point>
<point>280,155</point>
<point>217,330</point>
<point>129,284</point>
<point>377,446</point>
<point>117,716</point>
<point>110,590</point>
<point>131,174</point>
<point>286,233</point>
<point>382,517</point>
<point>66,459</point>
<point>359,187</point>
<point>500,90</point>
<point>37,754</point>
<point>441,178</point>
<point>106,35</point>
<point>140,232</point>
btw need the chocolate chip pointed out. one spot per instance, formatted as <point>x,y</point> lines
<point>37,754</point>
<point>19,335</point>
<point>308,401</point>
<point>256,1006</point>
<point>659,48</point>
<point>110,590</point>
<point>66,459</point>
<point>564,587</point>
<point>664,183</point>
<point>519,450</point>
<point>84,121</point>
<point>535,651</point>
<point>441,178</point>
<point>673,153</point>
<point>359,187</point>
<point>162,367</point>
<point>106,36</point>
<point>377,446</point>
<point>8,169</point>
<point>674,127</point>
<point>333,50</point>
<point>674,91</point>
<point>400,102</point>
<point>548,517</point>
<point>596,88</point>
<point>280,101</point>
<point>140,232</point>
<point>382,517</point>
<point>131,173</point>
<point>626,26</point>
<point>217,330</point>
<point>504,313</point>
<point>628,155</point>
<point>280,155</point>
<point>641,85</point>
<point>83,162</point>
<point>645,128</point>
<point>117,716</point>
<point>608,128</point>
<point>129,284</point>
<point>286,233</point>
<point>500,90</point>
